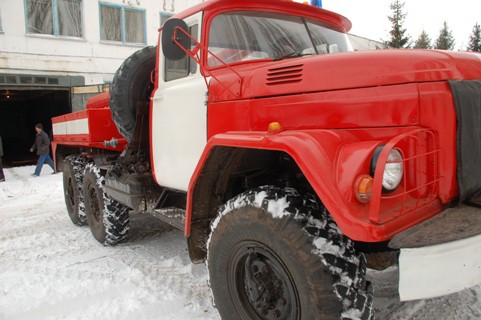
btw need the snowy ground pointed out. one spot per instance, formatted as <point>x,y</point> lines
<point>51,269</point>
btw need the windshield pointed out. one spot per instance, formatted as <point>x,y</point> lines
<point>247,35</point>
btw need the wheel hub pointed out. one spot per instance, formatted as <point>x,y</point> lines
<point>263,285</point>
<point>94,204</point>
<point>70,192</point>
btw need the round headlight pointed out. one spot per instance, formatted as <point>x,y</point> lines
<point>393,171</point>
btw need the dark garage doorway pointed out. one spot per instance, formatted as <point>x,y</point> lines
<point>20,109</point>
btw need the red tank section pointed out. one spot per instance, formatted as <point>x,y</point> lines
<point>90,127</point>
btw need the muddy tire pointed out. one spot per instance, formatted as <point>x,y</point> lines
<point>73,171</point>
<point>131,84</point>
<point>108,220</point>
<point>273,254</point>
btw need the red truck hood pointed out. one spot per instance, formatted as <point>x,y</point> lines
<point>344,71</point>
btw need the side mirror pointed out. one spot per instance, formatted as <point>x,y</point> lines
<point>172,50</point>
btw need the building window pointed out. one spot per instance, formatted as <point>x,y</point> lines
<point>118,23</point>
<point>164,16</point>
<point>55,17</point>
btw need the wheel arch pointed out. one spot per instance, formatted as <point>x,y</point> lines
<point>228,156</point>
<point>102,157</point>
<point>60,152</point>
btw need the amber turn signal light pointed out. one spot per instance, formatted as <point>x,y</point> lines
<point>363,188</point>
<point>274,127</point>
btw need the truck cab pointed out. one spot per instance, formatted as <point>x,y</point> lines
<point>235,42</point>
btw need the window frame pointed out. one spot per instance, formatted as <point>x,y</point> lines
<point>55,21</point>
<point>191,65</point>
<point>164,15</point>
<point>123,23</point>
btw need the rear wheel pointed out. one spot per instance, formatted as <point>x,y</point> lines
<point>273,254</point>
<point>108,219</point>
<point>73,170</point>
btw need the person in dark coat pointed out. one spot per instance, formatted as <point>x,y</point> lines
<point>2,176</point>
<point>42,146</point>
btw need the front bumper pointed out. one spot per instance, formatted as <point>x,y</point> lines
<point>440,269</point>
<point>441,255</point>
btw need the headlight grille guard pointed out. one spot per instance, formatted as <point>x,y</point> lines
<point>419,185</point>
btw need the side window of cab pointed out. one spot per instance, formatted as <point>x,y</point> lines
<point>178,69</point>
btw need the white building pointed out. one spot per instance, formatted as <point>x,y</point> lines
<point>54,54</point>
<point>87,39</point>
<point>361,43</point>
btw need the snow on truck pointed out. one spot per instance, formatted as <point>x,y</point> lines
<point>291,162</point>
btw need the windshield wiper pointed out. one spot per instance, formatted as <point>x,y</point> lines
<point>292,54</point>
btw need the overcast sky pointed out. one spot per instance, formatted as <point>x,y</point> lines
<point>370,17</point>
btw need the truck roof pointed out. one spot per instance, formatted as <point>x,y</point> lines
<point>283,6</point>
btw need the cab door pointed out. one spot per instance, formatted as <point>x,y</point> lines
<point>178,117</point>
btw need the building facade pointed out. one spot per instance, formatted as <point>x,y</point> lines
<point>55,54</point>
<point>85,39</point>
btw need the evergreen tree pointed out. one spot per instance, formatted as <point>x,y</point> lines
<point>475,39</point>
<point>423,41</point>
<point>445,40</point>
<point>399,39</point>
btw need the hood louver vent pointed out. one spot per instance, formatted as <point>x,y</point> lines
<point>284,75</point>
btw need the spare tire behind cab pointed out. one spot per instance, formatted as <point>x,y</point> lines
<point>131,84</point>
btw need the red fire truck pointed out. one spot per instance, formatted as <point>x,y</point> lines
<point>291,162</point>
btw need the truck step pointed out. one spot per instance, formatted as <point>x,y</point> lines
<point>173,216</point>
<point>452,224</point>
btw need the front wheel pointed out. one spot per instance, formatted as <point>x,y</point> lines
<point>272,254</point>
<point>108,219</point>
